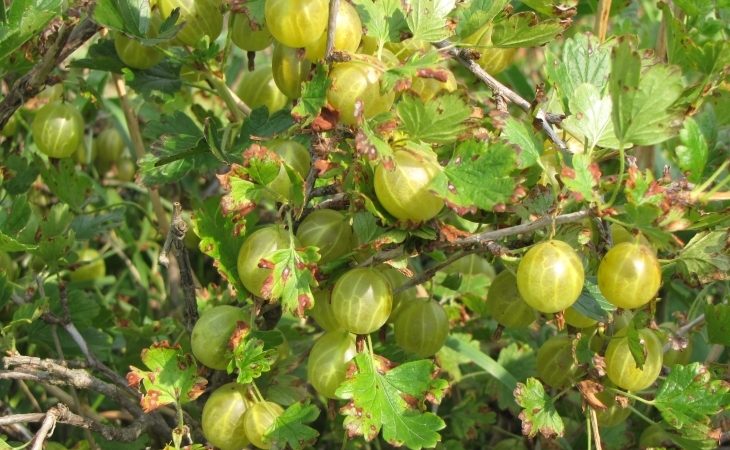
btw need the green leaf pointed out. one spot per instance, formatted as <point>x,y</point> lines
<point>25,19</point>
<point>290,427</point>
<point>314,95</point>
<point>477,176</point>
<point>251,359</point>
<point>583,60</point>
<point>179,148</point>
<point>476,14</point>
<point>55,238</point>
<point>473,354</point>
<point>86,226</point>
<point>538,411</point>
<point>101,56</point>
<point>688,399</point>
<point>10,244</point>
<point>583,177</point>
<point>163,77</point>
<point>692,155</point>
<point>439,121</point>
<point>172,377</point>
<point>591,303</point>
<point>637,348</point>
<point>409,69</point>
<point>131,16</point>
<point>220,238</point>
<point>643,112</point>
<point>383,19</point>
<point>706,257</point>
<point>70,186</point>
<point>519,133</point>
<point>524,30</point>
<point>261,125</point>
<point>427,19</point>
<point>292,278</point>
<point>19,173</point>
<point>377,401</point>
<point>590,119</point>
<point>718,324</point>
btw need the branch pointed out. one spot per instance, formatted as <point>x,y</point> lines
<point>48,371</point>
<point>543,222</point>
<point>175,242</point>
<point>685,329</point>
<point>33,82</point>
<point>331,26</point>
<point>61,414</point>
<point>139,151</point>
<point>501,90</point>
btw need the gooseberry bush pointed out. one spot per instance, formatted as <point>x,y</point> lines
<point>364,224</point>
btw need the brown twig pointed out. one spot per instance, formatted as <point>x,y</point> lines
<point>685,329</point>
<point>493,235</point>
<point>61,414</point>
<point>175,243</point>
<point>331,26</point>
<point>502,91</point>
<point>33,82</point>
<point>138,144</point>
<point>48,371</point>
<point>602,15</point>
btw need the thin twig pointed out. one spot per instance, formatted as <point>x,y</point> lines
<point>431,271</point>
<point>61,414</point>
<point>602,15</point>
<point>543,222</point>
<point>33,82</point>
<point>331,26</point>
<point>175,243</point>
<point>501,90</point>
<point>48,426</point>
<point>48,371</point>
<point>138,144</point>
<point>685,329</point>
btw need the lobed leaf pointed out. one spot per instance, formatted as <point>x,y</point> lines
<point>538,411</point>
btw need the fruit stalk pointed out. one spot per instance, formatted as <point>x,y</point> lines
<point>331,24</point>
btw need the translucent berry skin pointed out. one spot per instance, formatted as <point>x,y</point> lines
<point>614,414</point>
<point>348,32</point>
<point>471,264</point>
<point>404,191</point>
<point>296,156</point>
<point>550,276</point>
<point>135,54</point>
<point>258,88</point>
<point>290,69</point>
<point>506,305</point>
<point>92,266</point>
<point>211,333</point>
<point>201,17</point>
<point>322,311</point>
<point>222,420</point>
<point>358,80</point>
<point>109,146</point>
<point>578,320</point>
<point>259,244</point>
<point>362,300</point>
<point>422,327</point>
<point>245,37</point>
<point>327,363</point>
<point>555,364</point>
<point>621,367</point>
<point>328,230</point>
<point>396,279</point>
<point>58,129</point>
<point>629,275</point>
<point>296,23</point>
<point>492,59</point>
<point>257,419</point>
